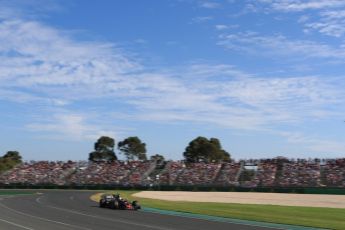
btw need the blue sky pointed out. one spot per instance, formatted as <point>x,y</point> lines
<point>266,77</point>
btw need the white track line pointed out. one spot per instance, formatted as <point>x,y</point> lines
<point>17,225</point>
<point>44,219</point>
<point>38,200</point>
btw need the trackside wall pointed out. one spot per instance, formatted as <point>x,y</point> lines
<point>299,190</point>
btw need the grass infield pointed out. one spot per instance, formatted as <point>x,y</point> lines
<point>329,218</point>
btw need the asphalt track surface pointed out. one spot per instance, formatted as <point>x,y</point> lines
<point>66,210</point>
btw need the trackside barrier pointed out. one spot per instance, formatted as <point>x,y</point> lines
<point>298,190</point>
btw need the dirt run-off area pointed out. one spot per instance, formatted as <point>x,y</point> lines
<point>307,200</point>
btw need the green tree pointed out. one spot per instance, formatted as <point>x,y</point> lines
<point>203,150</point>
<point>13,156</point>
<point>133,148</point>
<point>104,150</point>
<point>220,154</point>
<point>157,157</point>
<point>10,160</point>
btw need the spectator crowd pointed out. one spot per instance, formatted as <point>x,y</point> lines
<point>334,173</point>
<point>264,173</point>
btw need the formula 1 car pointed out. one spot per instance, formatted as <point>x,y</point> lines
<point>116,202</point>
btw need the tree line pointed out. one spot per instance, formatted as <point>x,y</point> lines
<point>132,147</point>
<point>200,149</point>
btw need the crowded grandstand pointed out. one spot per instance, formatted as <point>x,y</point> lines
<point>280,172</point>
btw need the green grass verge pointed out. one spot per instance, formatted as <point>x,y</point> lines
<point>330,218</point>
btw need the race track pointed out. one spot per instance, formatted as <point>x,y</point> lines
<point>62,210</point>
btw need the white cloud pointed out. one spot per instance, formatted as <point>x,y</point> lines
<point>224,96</point>
<point>209,5</point>
<point>25,97</point>
<point>28,9</point>
<point>33,55</point>
<point>41,64</point>
<point>221,27</point>
<point>301,5</point>
<point>201,19</point>
<point>56,68</point>
<point>340,14</point>
<point>280,45</point>
<point>316,144</point>
<point>329,19</point>
<point>331,23</point>
<point>141,41</point>
<point>71,126</point>
<point>303,19</point>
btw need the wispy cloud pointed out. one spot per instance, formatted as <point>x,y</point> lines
<point>221,27</point>
<point>28,9</point>
<point>201,19</point>
<point>329,19</point>
<point>255,43</point>
<point>209,4</point>
<point>301,5</point>
<point>42,65</point>
<point>227,97</point>
<point>71,126</point>
<point>315,144</point>
<point>34,55</point>
<point>331,23</point>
